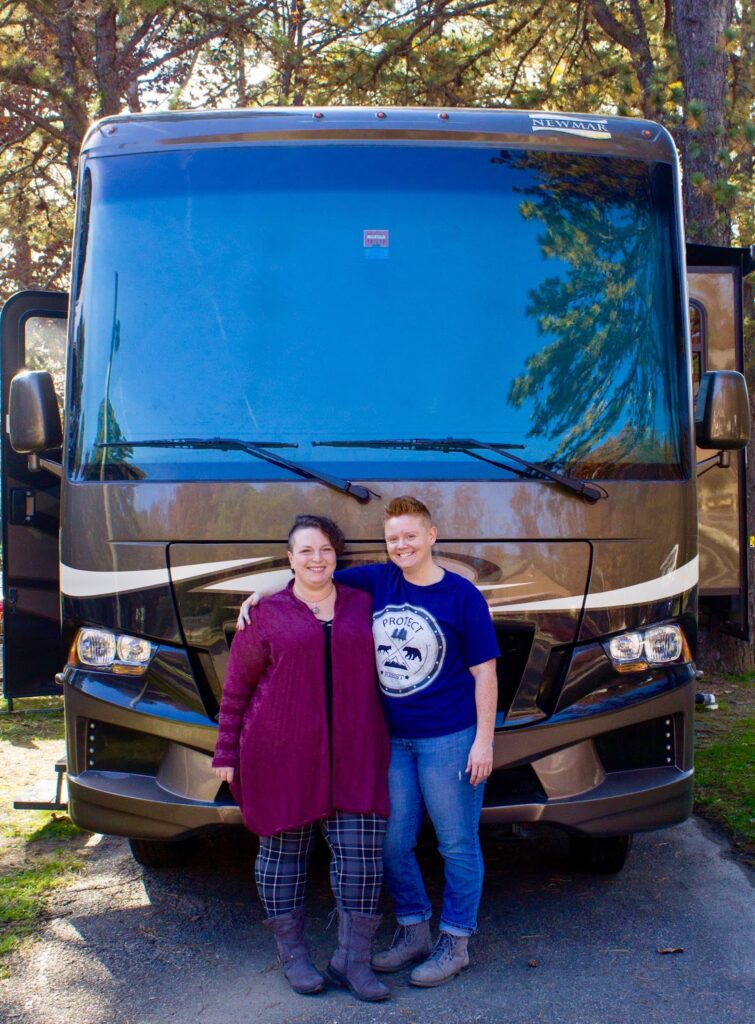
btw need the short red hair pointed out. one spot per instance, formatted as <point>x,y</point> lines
<point>407,505</point>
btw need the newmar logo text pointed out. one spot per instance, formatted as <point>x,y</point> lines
<point>587,128</point>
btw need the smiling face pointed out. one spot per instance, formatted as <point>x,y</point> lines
<point>312,557</point>
<point>409,540</point>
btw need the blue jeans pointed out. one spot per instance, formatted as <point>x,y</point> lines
<point>429,775</point>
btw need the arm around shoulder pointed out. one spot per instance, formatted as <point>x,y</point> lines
<point>251,602</point>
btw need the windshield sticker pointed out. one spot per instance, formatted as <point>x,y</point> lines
<point>409,648</point>
<point>376,242</point>
<point>585,127</point>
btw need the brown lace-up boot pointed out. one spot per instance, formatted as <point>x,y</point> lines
<point>411,943</point>
<point>448,958</point>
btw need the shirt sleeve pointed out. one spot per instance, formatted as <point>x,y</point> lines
<point>248,660</point>
<point>479,641</point>
<point>361,577</point>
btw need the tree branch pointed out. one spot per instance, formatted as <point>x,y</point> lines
<point>38,122</point>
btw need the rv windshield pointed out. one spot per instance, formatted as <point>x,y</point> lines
<point>293,293</point>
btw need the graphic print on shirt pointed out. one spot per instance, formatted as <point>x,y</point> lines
<point>409,648</point>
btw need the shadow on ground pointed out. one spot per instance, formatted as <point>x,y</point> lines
<point>137,946</point>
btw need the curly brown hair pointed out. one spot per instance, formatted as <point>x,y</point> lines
<point>332,530</point>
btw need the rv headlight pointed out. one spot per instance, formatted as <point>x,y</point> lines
<point>134,650</point>
<point>664,643</point>
<point>95,647</point>
<point>626,647</point>
<point>99,648</point>
<point>659,645</point>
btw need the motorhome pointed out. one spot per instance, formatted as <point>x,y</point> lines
<point>288,310</point>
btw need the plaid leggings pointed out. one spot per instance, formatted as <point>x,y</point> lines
<point>356,865</point>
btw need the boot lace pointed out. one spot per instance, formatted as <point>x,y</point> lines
<point>402,936</point>
<point>444,948</point>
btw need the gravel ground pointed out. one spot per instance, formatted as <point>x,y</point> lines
<point>126,945</point>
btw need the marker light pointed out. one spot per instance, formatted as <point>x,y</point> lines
<point>99,648</point>
<point>640,649</point>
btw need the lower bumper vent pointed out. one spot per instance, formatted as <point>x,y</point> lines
<point>507,786</point>
<point>647,745</point>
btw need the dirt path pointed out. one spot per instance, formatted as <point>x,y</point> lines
<point>123,945</point>
<point>27,772</point>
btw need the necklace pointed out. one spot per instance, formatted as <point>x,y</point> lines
<point>315,607</point>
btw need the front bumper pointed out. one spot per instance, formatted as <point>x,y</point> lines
<point>555,773</point>
<point>603,768</point>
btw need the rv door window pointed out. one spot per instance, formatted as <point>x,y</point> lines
<point>45,349</point>
<point>697,325</point>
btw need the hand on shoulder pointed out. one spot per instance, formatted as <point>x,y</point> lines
<point>245,612</point>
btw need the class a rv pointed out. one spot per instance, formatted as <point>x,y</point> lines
<point>285,310</point>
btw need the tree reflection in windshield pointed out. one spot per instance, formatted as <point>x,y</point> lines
<point>525,297</point>
<point>605,380</point>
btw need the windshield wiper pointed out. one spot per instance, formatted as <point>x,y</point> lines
<point>467,445</point>
<point>260,451</point>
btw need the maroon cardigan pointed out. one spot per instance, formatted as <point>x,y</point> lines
<point>273,721</point>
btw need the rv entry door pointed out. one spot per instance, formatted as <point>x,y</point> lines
<point>33,328</point>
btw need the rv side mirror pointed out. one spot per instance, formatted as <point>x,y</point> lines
<point>33,415</point>
<point>722,411</point>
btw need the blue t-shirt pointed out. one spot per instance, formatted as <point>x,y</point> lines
<point>426,639</point>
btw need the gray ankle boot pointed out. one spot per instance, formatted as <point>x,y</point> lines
<point>448,959</point>
<point>350,964</point>
<point>288,931</point>
<point>411,943</point>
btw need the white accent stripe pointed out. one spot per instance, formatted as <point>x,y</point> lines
<point>659,589</point>
<point>190,572</point>
<point>502,586</point>
<point>254,581</point>
<point>93,583</point>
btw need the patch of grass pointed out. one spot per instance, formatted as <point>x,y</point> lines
<point>39,850</point>
<point>747,678</point>
<point>23,893</point>
<point>59,826</point>
<point>725,783</point>
<point>31,704</point>
<point>40,719</point>
<point>725,748</point>
<point>25,825</point>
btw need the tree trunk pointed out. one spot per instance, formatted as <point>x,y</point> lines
<point>292,50</point>
<point>73,111</point>
<point>699,27</point>
<point>106,62</point>
<point>719,653</point>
